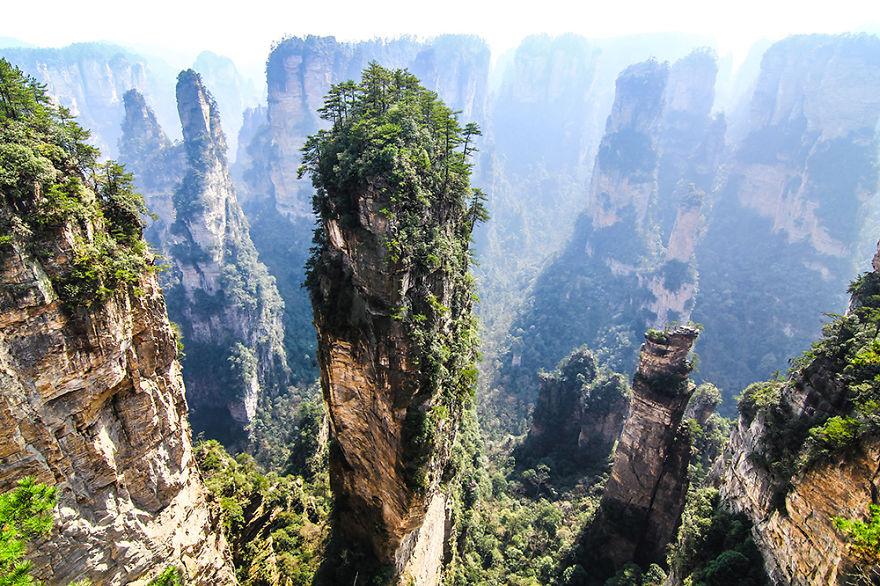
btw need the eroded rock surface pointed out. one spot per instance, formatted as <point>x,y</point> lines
<point>645,495</point>
<point>92,402</point>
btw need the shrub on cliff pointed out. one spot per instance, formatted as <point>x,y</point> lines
<point>25,514</point>
<point>50,179</point>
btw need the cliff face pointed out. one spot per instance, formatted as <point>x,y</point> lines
<point>91,78</point>
<point>218,292</point>
<point>799,542</point>
<point>579,412</point>
<point>91,395</point>
<point>93,403</point>
<point>798,199</point>
<point>805,451</point>
<point>645,495</point>
<point>298,74</point>
<point>630,265</point>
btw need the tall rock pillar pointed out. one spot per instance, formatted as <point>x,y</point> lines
<point>643,500</point>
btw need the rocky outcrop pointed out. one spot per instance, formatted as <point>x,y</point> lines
<point>157,164</point>
<point>798,198</point>
<point>392,306</point>
<point>299,73</point>
<point>802,452</point>
<point>232,91</point>
<point>91,395</point>
<point>371,386</point>
<point>93,403</point>
<point>579,412</point>
<point>645,495</point>
<point>222,297</point>
<point>91,78</point>
<point>798,541</point>
<point>630,265</point>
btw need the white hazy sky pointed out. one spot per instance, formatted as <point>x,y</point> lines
<point>244,30</point>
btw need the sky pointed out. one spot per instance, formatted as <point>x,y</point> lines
<point>245,30</point>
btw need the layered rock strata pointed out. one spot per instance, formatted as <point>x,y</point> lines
<point>392,306</point>
<point>645,495</point>
<point>792,489</point>
<point>91,394</point>
<point>219,293</point>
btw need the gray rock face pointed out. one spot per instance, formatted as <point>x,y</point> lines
<point>92,402</point>
<point>218,292</point>
<point>798,198</point>
<point>91,78</point>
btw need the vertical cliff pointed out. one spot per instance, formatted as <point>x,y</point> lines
<point>578,414</point>
<point>299,73</point>
<point>90,79</point>
<point>645,495</point>
<point>798,199</point>
<point>630,264</point>
<point>218,291</point>
<point>805,450</point>
<point>392,307</point>
<point>91,394</point>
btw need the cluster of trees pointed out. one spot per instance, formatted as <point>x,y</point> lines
<point>50,179</point>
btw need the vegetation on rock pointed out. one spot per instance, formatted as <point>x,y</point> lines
<point>25,515</point>
<point>51,181</point>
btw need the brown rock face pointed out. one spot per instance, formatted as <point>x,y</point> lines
<point>371,388</point>
<point>643,500</point>
<point>92,402</point>
<point>793,523</point>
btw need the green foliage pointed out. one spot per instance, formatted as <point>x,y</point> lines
<point>714,547</point>
<point>276,525</point>
<point>50,180</point>
<point>25,514</point>
<point>864,544</point>
<point>170,577</point>
<point>631,575</point>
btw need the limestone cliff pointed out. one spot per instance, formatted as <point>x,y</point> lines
<point>91,78</point>
<point>91,394</point>
<point>578,414</point>
<point>218,292</point>
<point>805,450</point>
<point>630,265</point>
<point>392,309</point>
<point>645,495</point>
<point>798,198</point>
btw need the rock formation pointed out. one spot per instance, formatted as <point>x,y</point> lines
<point>804,451</point>
<point>90,80</point>
<point>579,412</point>
<point>630,264</point>
<point>299,73</point>
<point>645,495</point>
<point>798,199</point>
<point>396,342</point>
<point>91,394</point>
<point>218,292</point>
